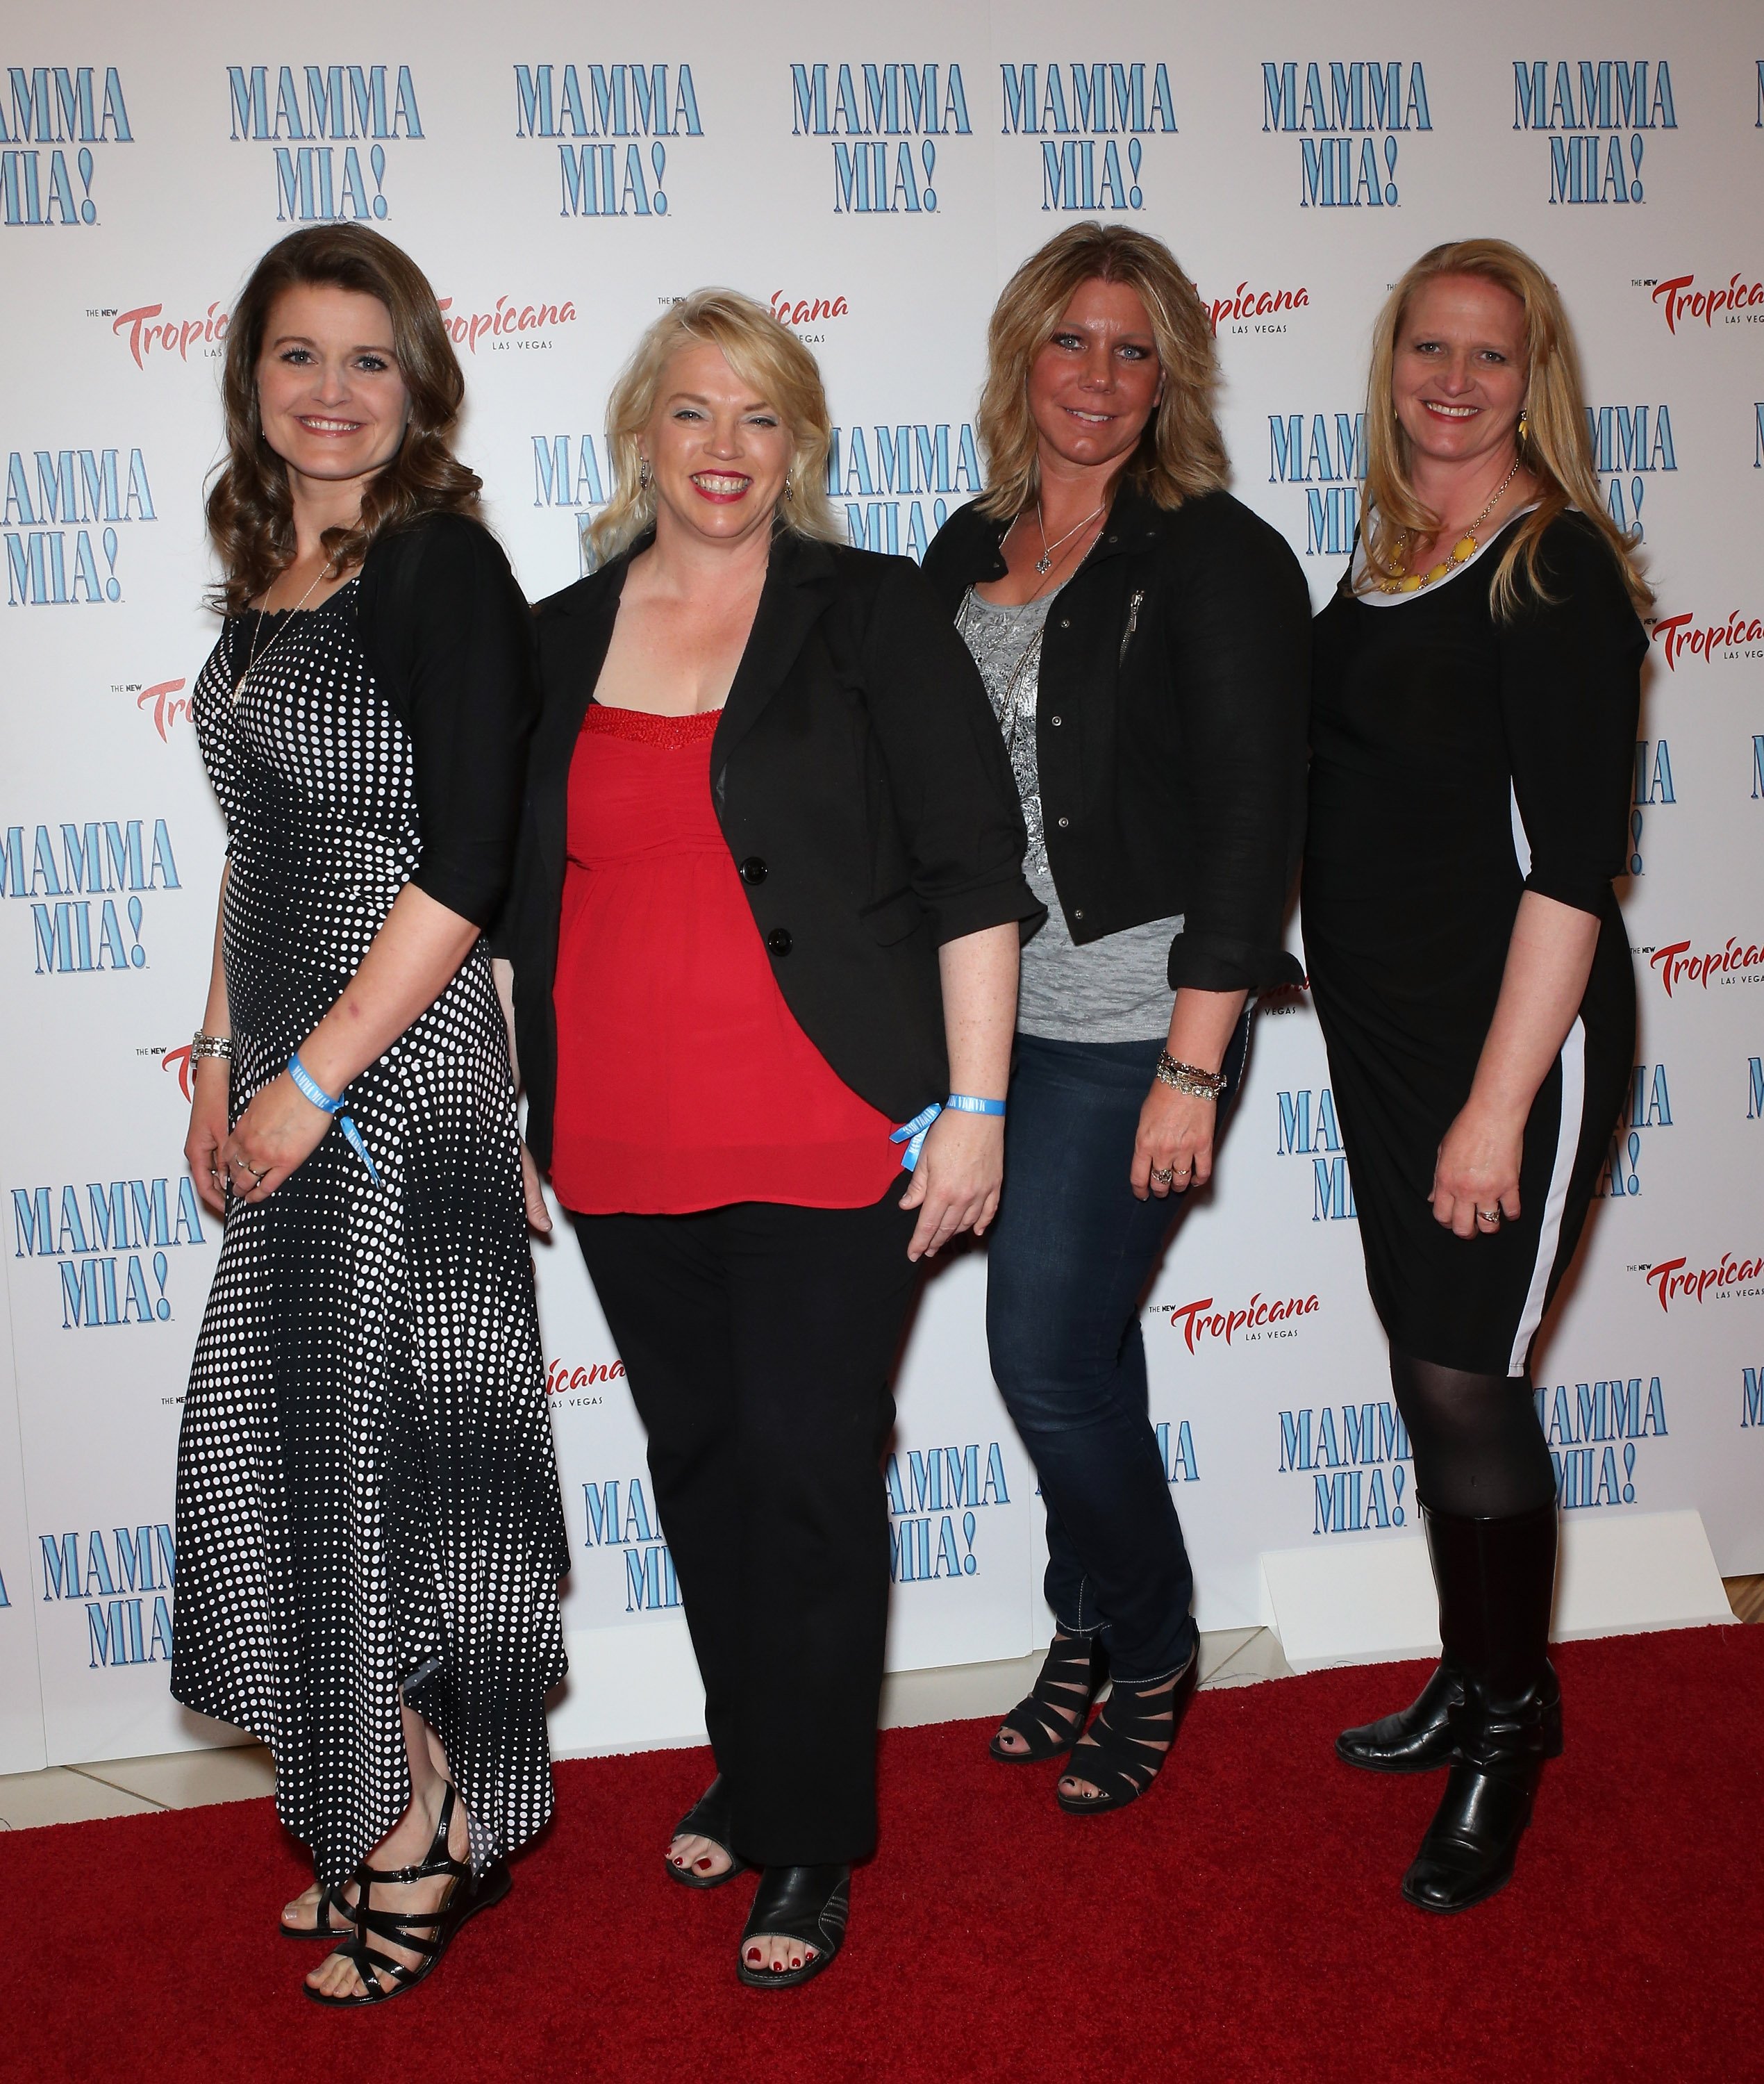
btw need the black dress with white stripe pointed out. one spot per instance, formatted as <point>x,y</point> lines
<point>1458,761</point>
<point>367,1498</point>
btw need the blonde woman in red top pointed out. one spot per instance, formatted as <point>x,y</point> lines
<point>766,925</point>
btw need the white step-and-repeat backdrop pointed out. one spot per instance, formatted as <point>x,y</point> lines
<point>561,173</point>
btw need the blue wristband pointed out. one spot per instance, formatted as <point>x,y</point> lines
<point>912,1133</point>
<point>306,1084</point>
<point>310,1088</point>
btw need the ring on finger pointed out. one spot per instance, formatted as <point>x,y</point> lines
<point>1163,1173</point>
<point>1489,1216</point>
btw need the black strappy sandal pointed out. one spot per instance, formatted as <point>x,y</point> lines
<point>330,1899</point>
<point>433,1931</point>
<point>809,1904</point>
<point>1125,1747</point>
<point>1071,1676</point>
<point>709,1817</point>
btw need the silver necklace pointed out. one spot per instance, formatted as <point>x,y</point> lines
<point>263,614</point>
<point>1044,563</point>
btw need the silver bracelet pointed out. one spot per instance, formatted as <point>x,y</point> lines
<point>203,1045</point>
<point>1189,1078</point>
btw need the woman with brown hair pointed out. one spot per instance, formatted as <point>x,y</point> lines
<point>1473,731</point>
<point>768,916</point>
<point>369,1528</point>
<point>1144,639</point>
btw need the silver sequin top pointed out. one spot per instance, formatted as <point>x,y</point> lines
<point>1112,990</point>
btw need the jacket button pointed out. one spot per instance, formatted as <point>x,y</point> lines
<point>1063,823</point>
<point>753,870</point>
<point>1078,911</point>
<point>1055,722</point>
<point>778,940</point>
<point>1065,622</point>
<point>1115,539</point>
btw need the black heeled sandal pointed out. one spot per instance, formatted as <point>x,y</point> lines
<point>1071,1676</point>
<point>330,1899</point>
<point>434,1929</point>
<point>711,1817</point>
<point>808,1904</point>
<point>1124,1750</point>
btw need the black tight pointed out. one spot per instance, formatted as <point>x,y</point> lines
<point>1479,1452</point>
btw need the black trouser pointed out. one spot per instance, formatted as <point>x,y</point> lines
<point>760,1341</point>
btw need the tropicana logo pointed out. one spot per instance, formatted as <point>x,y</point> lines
<point>561,1379</point>
<point>169,702</point>
<point>1244,302</point>
<point>1198,1321</point>
<point>1676,965</point>
<point>1679,635</point>
<point>175,335</point>
<point>467,328</point>
<point>1679,299</point>
<point>178,1060</point>
<point>805,310</point>
<point>1672,1283</point>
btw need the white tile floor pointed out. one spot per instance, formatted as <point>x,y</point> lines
<point>191,1780</point>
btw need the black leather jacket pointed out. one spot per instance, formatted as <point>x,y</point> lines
<point>1170,727</point>
<point>863,790</point>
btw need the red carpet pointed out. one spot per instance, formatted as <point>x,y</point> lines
<point>1242,1923</point>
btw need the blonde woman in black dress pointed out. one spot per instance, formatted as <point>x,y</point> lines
<point>1473,715</point>
<point>369,1528</point>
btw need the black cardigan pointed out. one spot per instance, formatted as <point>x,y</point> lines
<point>863,790</point>
<point>1170,727</point>
<point>449,636</point>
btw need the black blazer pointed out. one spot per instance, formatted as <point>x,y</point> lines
<point>861,781</point>
<point>1170,727</point>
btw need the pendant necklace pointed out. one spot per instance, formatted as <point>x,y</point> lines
<point>1044,563</point>
<point>263,616</point>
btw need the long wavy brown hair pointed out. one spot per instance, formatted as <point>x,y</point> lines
<point>1180,453</point>
<point>250,513</point>
<point>1557,448</point>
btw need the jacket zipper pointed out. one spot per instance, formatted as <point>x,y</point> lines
<point>1132,622</point>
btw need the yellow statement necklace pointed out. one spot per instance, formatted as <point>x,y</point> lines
<point>1461,553</point>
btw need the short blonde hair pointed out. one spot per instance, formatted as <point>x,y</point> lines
<point>762,352</point>
<point>1558,445</point>
<point>1181,454</point>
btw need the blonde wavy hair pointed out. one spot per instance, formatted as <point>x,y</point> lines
<point>762,352</point>
<point>1181,454</point>
<point>1557,449</point>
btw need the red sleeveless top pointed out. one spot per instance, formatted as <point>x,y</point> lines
<point>684,1081</point>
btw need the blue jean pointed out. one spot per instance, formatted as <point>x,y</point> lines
<point>1071,1254</point>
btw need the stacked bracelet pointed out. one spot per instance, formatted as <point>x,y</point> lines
<point>203,1045</point>
<point>1189,1078</point>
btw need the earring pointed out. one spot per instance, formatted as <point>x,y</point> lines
<point>1523,428</point>
<point>788,492</point>
<point>644,474</point>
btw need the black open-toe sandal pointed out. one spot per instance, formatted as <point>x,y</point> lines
<point>810,1904</point>
<point>711,1817</point>
<point>1071,1676</point>
<point>427,1933</point>
<point>330,1899</point>
<point>1125,1747</point>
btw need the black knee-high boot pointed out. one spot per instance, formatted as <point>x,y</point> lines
<point>1497,1581</point>
<point>1423,1737</point>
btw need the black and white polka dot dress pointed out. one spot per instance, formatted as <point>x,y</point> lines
<point>366,1493</point>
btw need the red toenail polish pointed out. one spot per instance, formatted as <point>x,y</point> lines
<point>753,1952</point>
